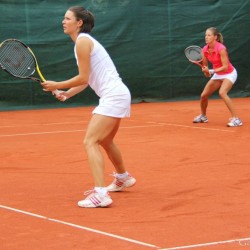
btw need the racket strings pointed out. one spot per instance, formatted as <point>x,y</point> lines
<point>17,59</point>
<point>194,54</point>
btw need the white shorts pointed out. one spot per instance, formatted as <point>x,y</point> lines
<point>231,76</point>
<point>116,103</point>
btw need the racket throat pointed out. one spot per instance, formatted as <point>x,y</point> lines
<point>35,79</point>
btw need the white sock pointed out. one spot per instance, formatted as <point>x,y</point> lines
<point>122,176</point>
<point>101,190</point>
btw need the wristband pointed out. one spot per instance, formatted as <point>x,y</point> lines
<point>211,71</point>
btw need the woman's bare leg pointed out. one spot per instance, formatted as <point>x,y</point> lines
<point>101,131</point>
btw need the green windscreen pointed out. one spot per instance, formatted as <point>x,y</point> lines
<point>145,38</point>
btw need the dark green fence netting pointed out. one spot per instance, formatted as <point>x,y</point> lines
<point>145,38</point>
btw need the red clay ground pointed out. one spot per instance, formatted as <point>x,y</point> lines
<point>193,180</point>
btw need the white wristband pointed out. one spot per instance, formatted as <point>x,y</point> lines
<point>211,71</point>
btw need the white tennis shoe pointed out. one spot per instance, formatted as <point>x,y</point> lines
<point>234,122</point>
<point>118,184</point>
<point>200,119</point>
<point>94,199</point>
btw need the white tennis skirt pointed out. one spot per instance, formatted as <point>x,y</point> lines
<point>115,103</point>
<point>231,76</point>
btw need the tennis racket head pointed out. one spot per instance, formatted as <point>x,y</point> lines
<point>17,59</point>
<point>194,54</point>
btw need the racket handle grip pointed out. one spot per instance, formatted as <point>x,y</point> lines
<point>57,92</point>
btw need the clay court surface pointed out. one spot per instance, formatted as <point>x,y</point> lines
<point>192,191</point>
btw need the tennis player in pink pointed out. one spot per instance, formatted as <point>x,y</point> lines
<point>224,75</point>
<point>97,70</point>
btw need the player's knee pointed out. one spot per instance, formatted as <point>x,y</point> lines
<point>204,97</point>
<point>88,142</point>
<point>222,94</point>
<point>85,142</point>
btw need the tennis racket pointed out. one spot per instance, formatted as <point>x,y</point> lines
<point>194,55</point>
<point>18,60</point>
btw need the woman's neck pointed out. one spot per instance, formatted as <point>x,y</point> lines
<point>74,37</point>
<point>211,45</point>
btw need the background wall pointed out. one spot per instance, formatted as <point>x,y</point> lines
<point>145,38</point>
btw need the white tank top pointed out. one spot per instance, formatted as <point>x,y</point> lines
<point>103,74</point>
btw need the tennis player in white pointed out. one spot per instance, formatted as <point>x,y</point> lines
<point>96,69</point>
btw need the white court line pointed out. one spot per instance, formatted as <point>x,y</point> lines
<point>73,131</point>
<point>154,124</point>
<point>242,242</point>
<point>79,227</point>
<point>43,133</point>
<point>42,124</point>
<point>193,127</point>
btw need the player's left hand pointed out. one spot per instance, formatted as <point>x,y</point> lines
<point>61,95</point>
<point>205,70</point>
<point>49,85</point>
